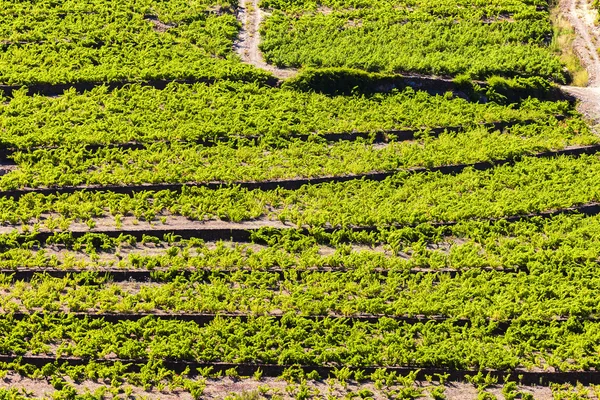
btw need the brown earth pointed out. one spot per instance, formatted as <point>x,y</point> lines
<point>246,46</point>
<point>250,388</point>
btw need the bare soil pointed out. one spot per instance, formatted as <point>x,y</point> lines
<point>7,168</point>
<point>589,101</point>
<point>158,25</point>
<point>176,222</point>
<point>267,388</point>
<point>246,46</point>
<point>41,388</point>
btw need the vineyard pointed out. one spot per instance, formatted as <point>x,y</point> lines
<point>413,212</point>
<point>101,41</point>
<point>462,37</point>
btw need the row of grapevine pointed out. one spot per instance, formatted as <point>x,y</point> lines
<point>292,160</point>
<point>190,113</point>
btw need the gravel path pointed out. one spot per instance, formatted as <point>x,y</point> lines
<point>246,46</point>
<point>582,17</point>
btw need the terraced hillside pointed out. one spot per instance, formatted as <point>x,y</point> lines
<point>293,200</point>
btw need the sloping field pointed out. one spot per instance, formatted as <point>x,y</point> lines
<point>424,36</point>
<point>284,199</point>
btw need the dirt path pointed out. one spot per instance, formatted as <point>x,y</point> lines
<point>589,101</point>
<point>582,17</point>
<point>246,46</point>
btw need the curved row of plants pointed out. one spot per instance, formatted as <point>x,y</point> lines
<point>295,340</point>
<point>181,163</point>
<point>563,244</point>
<point>529,186</point>
<point>360,292</point>
<point>227,109</point>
